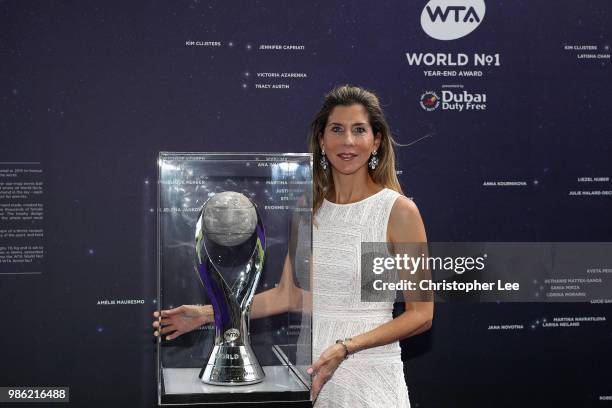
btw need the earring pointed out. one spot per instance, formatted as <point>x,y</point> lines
<point>373,160</point>
<point>323,160</point>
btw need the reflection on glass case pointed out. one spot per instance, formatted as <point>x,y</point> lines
<point>234,239</point>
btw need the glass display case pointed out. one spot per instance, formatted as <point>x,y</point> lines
<point>234,242</point>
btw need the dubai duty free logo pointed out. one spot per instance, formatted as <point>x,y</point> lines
<point>451,19</point>
<point>429,101</point>
<point>453,100</point>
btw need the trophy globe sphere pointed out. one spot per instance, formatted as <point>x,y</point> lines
<point>230,218</point>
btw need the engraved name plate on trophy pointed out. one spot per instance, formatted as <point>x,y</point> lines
<point>230,250</point>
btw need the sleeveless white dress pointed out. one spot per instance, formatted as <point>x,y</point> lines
<point>374,377</point>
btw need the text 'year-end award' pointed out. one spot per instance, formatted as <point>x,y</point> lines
<point>230,249</point>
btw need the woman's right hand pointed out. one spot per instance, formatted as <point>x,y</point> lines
<point>180,320</point>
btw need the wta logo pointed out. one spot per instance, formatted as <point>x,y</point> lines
<point>451,19</point>
<point>231,334</point>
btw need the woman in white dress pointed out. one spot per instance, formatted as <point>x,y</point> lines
<point>357,198</point>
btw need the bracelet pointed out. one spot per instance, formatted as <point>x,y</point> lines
<point>343,343</point>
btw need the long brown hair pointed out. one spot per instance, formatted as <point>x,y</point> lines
<point>347,95</point>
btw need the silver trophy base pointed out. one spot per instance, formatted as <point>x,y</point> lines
<point>232,365</point>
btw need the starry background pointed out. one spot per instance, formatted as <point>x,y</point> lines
<point>93,90</point>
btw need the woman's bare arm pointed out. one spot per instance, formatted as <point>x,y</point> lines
<point>285,297</point>
<point>405,226</point>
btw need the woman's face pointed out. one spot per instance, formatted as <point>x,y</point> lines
<point>347,139</point>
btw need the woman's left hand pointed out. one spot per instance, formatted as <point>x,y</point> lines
<point>323,369</point>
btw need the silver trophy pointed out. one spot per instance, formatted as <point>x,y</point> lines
<point>230,248</point>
